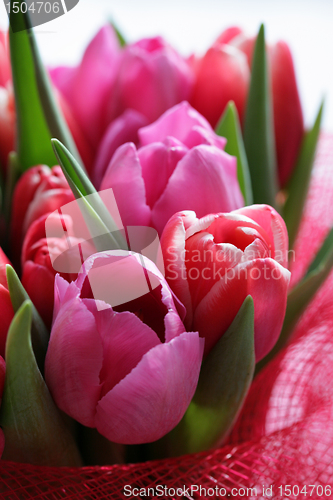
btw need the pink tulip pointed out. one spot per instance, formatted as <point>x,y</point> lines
<point>180,165</point>
<point>131,370</point>
<point>39,191</point>
<point>122,129</point>
<point>38,255</point>
<point>88,87</point>
<point>213,263</point>
<point>152,78</point>
<point>222,75</point>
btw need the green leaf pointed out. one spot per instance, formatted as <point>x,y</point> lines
<point>229,127</point>
<point>259,130</point>
<point>120,36</point>
<point>299,184</point>
<point>38,115</point>
<point>97,217</point>
<point>33,427</point>
<point>39,332</point>
<point>225,378</point>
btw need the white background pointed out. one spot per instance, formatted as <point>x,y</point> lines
<point>192,25</point>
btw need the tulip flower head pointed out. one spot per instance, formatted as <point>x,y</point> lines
<point>179,165</point>
<point>213,263</point>
<point>129,370</point>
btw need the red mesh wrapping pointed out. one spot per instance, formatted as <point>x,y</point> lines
<point>284,434</point>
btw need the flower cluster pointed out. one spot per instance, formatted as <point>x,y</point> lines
<point>138,265</point>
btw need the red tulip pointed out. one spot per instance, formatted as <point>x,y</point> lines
<point>222,75</point>
<point>129,370</point>
<point>39,191</point>
<point>213,263</point>
<point>38,255</point>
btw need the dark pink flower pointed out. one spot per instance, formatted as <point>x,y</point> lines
<point>129,370</point>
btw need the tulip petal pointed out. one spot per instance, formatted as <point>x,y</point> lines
<point>126,339</point>
<point>274,225</point>
<point>158,162</point>
<point>176,122</point>
<point>222,75</point>
<point>121,130</point>
<point>267,282</point>
<point>74,360</point>
<point>173,246</point>
<point>153,398</point>
<point>288,116</point>
<point>124,176</point>
<point>205,181</point>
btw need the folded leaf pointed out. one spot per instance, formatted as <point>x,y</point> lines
<point>259,130</point>
<point>93,209</point>
<point>33,427</point>
<point>39,333</point>
<point>299,184</point>
<point>229,127</point>
<point>225,378</point>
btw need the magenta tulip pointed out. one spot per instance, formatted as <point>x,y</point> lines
<point>129,370</point>
<point>180,165</point>
<point>122,129</point>
<point>213,263</point>
<point>152,78</point>
<point>88,87</point>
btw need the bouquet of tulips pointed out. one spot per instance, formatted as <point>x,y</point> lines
<point>150,208</point>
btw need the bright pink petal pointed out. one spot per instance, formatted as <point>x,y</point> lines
<point>121,130</point>
<point>177,122</point>
<point>124,176</point>
<point>204,181</point>
<point>125,340</point>
<point>152,78</point>
<point>74,360</point>
<point>275,227</point>
<point>158,162</point>
<point>288,116</point>
<point>267,282</point>
<point>153,398</point>
<point>88,87</point>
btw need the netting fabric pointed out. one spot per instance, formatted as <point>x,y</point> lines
<point>282,444</point>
